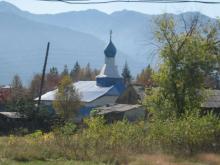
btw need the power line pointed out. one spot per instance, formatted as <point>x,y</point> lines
<point>88,2</point>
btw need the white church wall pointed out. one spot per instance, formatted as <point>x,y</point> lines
<point>110,61</point>
<point>104,100</point>
<point>109,71</point>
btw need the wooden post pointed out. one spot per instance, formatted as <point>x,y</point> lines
<point>43,76</point>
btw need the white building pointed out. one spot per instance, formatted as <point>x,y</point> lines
<point>104,91</point>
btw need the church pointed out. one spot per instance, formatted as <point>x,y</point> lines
<point>105,90</point>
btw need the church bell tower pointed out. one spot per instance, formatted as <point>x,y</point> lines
<point>109,73</point>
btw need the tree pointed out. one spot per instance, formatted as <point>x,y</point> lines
<point>67,101</point>
<point>146,77</point>
<point>20,100</point>
<point>17,88</point>
<point>52,79</point>
<point>51,82</point>
<point>16,82</point>
<point>75,72</point>
<point>34,87</point>
<point>188,57</point>
<point>88,72</point>
<point>126,74</point>
<point>65,71</point>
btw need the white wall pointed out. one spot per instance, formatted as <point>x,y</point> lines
<point>104,100</point>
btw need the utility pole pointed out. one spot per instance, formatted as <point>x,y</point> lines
<point>43,76</point>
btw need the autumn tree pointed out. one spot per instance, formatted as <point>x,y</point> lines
<point>146,77</point>
<point>67,102</point>
<point>20,100</point>
<point>34,86</point>
<point>188,57</point>
<point>17,87</point>
<point>52,79</point>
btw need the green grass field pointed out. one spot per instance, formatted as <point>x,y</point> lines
<point>145,159</point>
<point>58,162</point>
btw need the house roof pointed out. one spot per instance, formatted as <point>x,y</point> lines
<point>5,87</point>
<point>88,91</point>
<point>12,115</point>
<point>117,108</point>
<point>49,96</point>
<point>133,94</point>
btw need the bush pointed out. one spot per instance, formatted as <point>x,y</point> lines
<point>188,134</point>
<point>69,128</point>
<point>115,143</point>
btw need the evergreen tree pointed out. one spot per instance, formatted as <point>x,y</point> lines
<point>75,72</point>
<point>16,82</point>
<point>65,71</point>
<point>88,72</point>
<point>126,74</point>
<point>54,71</point>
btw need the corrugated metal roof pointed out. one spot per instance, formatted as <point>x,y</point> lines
<point>117,108</point>
<point>88,91</point>
<point>49,96</point>
<point>6,87</point>
<point>13,115</point>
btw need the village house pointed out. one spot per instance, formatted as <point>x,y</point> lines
<point>5,92</point>
<point>134,94</point>
<point>11,120</point>
<point>117,112</point>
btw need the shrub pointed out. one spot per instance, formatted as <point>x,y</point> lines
<point>69,128</point>
<point>115,143</point>
<point>188,134</point>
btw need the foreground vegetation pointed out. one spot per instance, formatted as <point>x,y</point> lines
<point>49,162</point>
<point>117,143</point>
<point>144,159</point>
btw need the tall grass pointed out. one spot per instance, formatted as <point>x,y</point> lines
<point>115,143</point>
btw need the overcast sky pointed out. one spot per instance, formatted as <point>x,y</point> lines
<point>36,6</point>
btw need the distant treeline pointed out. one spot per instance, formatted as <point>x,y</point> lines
<point>53,77</point>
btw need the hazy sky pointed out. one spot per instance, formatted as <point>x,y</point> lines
<point>36,6</point>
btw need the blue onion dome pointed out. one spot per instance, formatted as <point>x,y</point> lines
<point>110,50</point>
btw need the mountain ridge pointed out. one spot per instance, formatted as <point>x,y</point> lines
<point>88,30</point>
